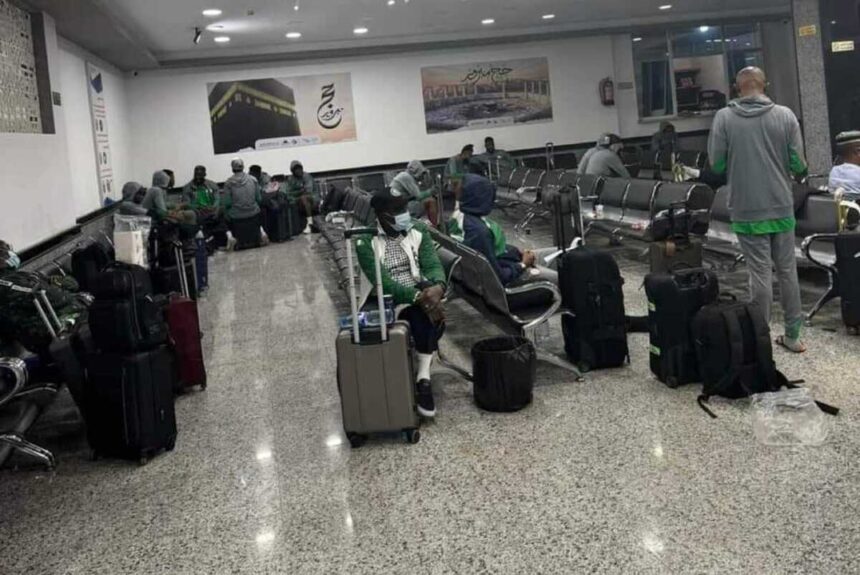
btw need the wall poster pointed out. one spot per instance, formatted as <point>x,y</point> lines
<point>486,95</point>
<point>281,112</point>
<point>98,116</point>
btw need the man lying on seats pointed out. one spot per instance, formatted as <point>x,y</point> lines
<point>846,176</point>
<point>299,188</point>
<point>603,159</point>
<point>471,225</point>
<point>20,322</point>
<point>413,183</point>
<point>413,275</point>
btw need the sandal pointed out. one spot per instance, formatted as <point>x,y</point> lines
<point>796,347</point>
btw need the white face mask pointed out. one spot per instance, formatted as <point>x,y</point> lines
<point>403,222</point>
<point>13,261</point>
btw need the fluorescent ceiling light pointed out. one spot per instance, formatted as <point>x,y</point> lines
<point>222,39</point>
<point>704,29</point>
<point>488,21</point>
<point>548,16</point>
<point>214,27</point>
<point>212,12</point>
<point>666,7</point>
<point>360,31</point>
<point>391,2</point>
<point>637,39</point>
<point>294,35</point>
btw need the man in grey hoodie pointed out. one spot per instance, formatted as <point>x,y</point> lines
<point>759,146</point>
<point>241,198</point>
<point>155,202</point>
<point>410,183</point>
<point>299,188</point>
<point>603,159</point>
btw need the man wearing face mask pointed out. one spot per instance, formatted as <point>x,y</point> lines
<point>603,159</point>
<point>412,275</point>
<point>412,183</point>
<point>20,321</point>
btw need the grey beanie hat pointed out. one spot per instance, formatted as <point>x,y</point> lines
<point>416,169</point>
<point>237,165</point>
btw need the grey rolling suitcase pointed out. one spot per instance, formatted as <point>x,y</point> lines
<point>374,370</point>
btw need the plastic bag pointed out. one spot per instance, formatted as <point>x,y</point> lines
<point>131,239</point>
<point>504,373</point>
<point>788,417</point>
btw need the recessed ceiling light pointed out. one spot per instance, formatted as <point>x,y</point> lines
<point>391,2</point>
<point>833,22</point>
<point>637,39</point>
<point>212,12</point>
<point>360,31</point>
<point>488,21</point>
<point>704,29</point>
<point>666,7</point>
<point>214,27</point>
<point>222,39</point>
<point>294,35</point>
<point>548,16</point>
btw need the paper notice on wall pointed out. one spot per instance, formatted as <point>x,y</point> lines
<point>843,46</point>
<point>98,116</point>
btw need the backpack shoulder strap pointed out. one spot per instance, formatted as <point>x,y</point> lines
<point>764,349</point>
<point>736,358</point>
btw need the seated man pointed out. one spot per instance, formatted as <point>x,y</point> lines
<point>495,160</point>
<point>413,275</point>
<point>155,203</point>
<point>846,176</point>
<point>202,195</point>
<point>171,183</point>
<point>603,159</point>
<point>665,141</point>
<point>241,198</point>
<point>421,201</point>
<point>262,177</point>
<point>132,198</point>
<point>457,167</point>
<point>299,188</point>
<point>472,226</point>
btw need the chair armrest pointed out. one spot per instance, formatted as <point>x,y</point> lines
<point>19,370</point>
<point>806,249</point>
<point>534,286</point>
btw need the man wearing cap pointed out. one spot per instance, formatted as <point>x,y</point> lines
<point>412,275</point>
<point>603,159</point>
<point>846,176</point>
<point>758,145</point>
<point>412,183</point>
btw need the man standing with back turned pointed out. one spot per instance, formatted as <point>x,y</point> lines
<point>759,145</point>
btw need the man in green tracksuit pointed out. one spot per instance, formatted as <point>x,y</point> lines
<point>758,145</point>
<point>299,188</point>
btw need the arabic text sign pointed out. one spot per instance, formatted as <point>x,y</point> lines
<point>263,114</point>
<point>486,94</point>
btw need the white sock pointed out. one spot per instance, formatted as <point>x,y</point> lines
<point>229,235</point>
<point>424,362</point>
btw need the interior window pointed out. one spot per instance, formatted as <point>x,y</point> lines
<point>743,48</point>
<point>653,76</point>
<point>699,70</point>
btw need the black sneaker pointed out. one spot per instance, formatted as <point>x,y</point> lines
<point>426,405</point>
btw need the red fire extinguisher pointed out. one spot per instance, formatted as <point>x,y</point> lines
<point>607,92</point>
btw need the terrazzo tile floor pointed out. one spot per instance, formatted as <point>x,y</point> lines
<point>614,474</point>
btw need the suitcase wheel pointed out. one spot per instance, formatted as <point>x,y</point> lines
<point>143,460</point>
<point>413,436</point>
<point>356,440</point>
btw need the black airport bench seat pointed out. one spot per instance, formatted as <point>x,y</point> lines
<point>21,404</point>
<point>355,210</point>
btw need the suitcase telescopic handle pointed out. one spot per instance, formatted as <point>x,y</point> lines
<point>380,295</point>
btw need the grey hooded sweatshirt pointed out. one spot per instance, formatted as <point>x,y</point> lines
<point>241,197</point>
<point>758,144</point>
<point>155,201</point>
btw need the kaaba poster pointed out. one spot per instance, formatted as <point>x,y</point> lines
<point>281,112</point>
<point>486,95</point>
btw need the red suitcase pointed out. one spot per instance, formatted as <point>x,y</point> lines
<point>183,323</point>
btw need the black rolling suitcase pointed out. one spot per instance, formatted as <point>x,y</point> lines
<point>280,220</point>
<point>673,301</point>
<point>848,273</point>
<point>594,328</point>
<point>129,404</point>
<point>126,316</point>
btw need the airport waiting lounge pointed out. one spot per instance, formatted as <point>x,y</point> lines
<point>429,286</point>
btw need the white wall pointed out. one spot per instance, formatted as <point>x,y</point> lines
<point>170,119</point>
<point>79,131</point>
<point>36,202</point>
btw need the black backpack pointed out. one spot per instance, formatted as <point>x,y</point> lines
<point>88,262</point>
<point>735,354</point>
<point>595,327</point>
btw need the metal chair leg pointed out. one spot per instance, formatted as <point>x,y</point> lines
<point>446,365</point>
<point>831,294</point>
<point>559,362</point>
<point>39,453</point>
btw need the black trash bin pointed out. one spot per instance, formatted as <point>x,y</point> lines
<point>504,373</point>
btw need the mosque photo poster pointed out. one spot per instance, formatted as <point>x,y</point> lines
<point>486,95</point>
<point>281,112</point>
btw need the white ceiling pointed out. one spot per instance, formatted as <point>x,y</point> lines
<point>166,27</point>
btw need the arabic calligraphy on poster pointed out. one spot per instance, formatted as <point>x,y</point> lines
<point>486,94</point>
<point>271,113</point>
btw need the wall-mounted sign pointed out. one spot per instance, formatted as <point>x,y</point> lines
<point>811,30</point>
<point>486,95</point>
<point>98,116</point>
<point>844,46</point>
<point>281,112</point>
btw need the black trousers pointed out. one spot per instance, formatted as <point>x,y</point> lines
<point>424,332</point>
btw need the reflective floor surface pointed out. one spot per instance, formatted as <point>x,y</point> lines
<point>614,474</point>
